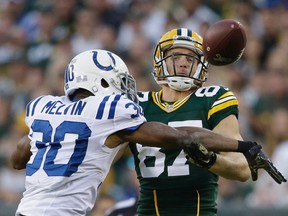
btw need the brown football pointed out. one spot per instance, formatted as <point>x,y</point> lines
<point>224,42</point>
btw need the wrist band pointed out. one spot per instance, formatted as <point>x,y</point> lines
<point>244,146</point>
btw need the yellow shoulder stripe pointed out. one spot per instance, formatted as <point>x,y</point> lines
<point>222,106</point>
<point>229,93</point>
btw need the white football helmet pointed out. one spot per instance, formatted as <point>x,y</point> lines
<point>99,72</point>
<point>180,37</point>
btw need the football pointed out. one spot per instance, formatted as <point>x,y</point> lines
<point>224,42</point>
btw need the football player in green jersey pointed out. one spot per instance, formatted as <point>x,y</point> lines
<point>169,185</point>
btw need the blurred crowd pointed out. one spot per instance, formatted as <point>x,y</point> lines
<point>39,37</point>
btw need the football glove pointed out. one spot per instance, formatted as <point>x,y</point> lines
<point>257,159</point>
<point>197,154</point>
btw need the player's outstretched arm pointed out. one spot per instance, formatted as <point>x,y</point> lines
<point>156,134</point>
<point>22,153</point>
<point>202,153</point>
<point>160,135</point>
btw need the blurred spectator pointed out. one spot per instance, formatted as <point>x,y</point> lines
<point>108,38</point>
<point>54,73</point>
<point>39,49</point>
<point>196,13</point>
<point>270,20</point>
<point>107,12</point>
<point>35,82</point>
<point>130,27</point>
<point>65,11</point>
<point>144,17</point>
<point>16,73</point>
<point>154,18</point>
<point>253,52</point>
<point>12,38</point>
<point>248,14</point>
<point>267,193</point>
<point>239,76</point>
<point>275,91</point>
<point>6,95</point>
<point>85,36</point>
<point>137,58</point>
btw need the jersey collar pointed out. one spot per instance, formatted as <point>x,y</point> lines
<point>168,107</point>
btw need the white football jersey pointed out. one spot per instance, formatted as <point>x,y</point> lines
<point>69,160</point>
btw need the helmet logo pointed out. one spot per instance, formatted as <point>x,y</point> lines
<point>100,66</point>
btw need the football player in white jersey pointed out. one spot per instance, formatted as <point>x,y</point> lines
<point>74,138</point>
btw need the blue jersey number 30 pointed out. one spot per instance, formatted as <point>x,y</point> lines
<point>43,126</point>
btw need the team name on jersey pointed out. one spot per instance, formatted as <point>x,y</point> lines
<point>58,108</point>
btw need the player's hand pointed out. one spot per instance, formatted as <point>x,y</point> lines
<point>257,159</point>
<point>197,154</point>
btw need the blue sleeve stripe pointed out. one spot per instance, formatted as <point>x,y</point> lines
<point>101,108</point>
<point>34,106</point>
<point>132,129</point>
<point>34,102</point>
<point>113,107</point>
<point>28,108</point>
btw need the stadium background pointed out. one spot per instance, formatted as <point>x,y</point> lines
<point>39,37</point>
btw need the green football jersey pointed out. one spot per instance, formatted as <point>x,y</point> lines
<point>170,186</point>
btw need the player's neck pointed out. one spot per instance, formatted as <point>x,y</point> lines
<point>81,94</point>
<point>171,95</point>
